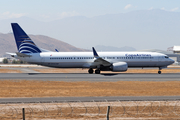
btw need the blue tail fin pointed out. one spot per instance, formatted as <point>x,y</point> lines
<point>23,41</point>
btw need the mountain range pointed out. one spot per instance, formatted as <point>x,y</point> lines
<point>8,44</point>
<point>142,29</point>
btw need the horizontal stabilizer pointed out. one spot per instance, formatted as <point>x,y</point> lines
<point>10,53</point>
<point>44,50</point>
<point>22,55</point>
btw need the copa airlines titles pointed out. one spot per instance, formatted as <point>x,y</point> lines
<point>138,55</point>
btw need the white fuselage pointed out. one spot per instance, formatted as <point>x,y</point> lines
<point>85,59</point>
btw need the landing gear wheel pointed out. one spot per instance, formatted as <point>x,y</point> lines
<point>160,68</point>
<point>97,71</point>
<point>90,71</point>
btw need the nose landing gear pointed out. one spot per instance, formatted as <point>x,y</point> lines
<point>159,72</point>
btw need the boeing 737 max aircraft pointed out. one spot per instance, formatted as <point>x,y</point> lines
<point>102,61</point>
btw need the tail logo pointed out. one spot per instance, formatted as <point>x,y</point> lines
<point>27,46</point>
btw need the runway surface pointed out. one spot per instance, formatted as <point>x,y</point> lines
<point>88,99</point>
<point>90,77</point>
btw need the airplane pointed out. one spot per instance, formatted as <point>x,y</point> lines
<point>100,61</point>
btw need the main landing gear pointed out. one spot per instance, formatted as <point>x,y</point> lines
<point>97,71</point>
<point>90,71</point>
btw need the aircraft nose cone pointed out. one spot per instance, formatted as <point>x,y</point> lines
<point>172,61</point>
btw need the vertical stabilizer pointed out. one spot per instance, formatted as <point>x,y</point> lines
<point>23,41</point>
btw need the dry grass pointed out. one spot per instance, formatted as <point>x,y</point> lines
<point>152,71</point>
<point>24,88</point>
<point>93,110</point>
<point>9,71</point>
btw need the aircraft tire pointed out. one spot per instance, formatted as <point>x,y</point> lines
<point>90,71</point>
<point>159,72</point>
<point>97,71</point>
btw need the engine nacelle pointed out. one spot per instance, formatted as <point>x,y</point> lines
<point>119,67</point>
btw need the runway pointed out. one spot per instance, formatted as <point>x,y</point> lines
<point>90,77</point>
<point>88,99</point>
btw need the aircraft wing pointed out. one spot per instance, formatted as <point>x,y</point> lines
<point>101,61</point>
<point>98,60</point>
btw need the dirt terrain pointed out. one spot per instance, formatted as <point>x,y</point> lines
<point>119,110</point>
<point>9,71</point>
<point>25,88</point>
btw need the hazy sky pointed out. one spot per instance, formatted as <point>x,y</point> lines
<point>48,10</point>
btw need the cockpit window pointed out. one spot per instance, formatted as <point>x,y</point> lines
<point>166,57</point>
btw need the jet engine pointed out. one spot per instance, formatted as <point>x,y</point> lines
<point>119,67</point>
